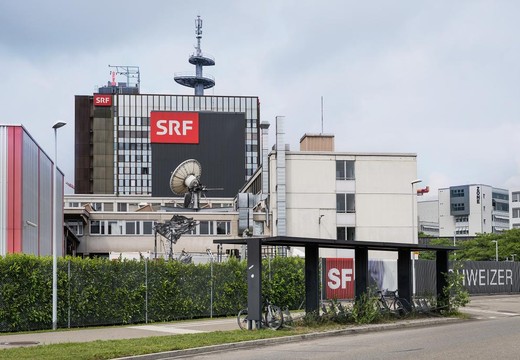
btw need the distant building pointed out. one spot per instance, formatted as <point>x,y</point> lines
<point>428,213</point>
<point>514,204</point>
<point>468,210</point>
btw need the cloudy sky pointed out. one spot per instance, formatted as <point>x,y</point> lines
<point>440,79</point>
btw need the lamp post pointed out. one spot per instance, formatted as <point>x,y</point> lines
<point>496,249</point>
<point>413,207</point>
<point>416,181</point>
<point>56,126</point>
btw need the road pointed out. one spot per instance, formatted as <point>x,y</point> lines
<point>493,333</point>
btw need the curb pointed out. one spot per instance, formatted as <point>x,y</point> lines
<point>294,338</point>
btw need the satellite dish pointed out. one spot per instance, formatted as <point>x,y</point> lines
<point>186,177</point>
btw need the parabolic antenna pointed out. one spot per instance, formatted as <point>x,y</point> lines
<point>186,177</point>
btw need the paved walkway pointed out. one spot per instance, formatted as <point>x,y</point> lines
<point>117,332</point>
<point>480,307</point>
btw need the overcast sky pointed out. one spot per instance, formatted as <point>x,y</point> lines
<point>437,78</point>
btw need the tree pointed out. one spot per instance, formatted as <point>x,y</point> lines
<point>481,247</point>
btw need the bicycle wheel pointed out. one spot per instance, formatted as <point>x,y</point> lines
<point>399,308</point>
<point>274,317</point>
<point>242,319</point>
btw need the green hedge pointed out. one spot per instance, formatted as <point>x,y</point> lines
<point>103,292</point>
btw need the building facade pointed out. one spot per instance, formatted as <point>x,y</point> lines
<point>428,217</point>
<point>514,205</point>
<point>119,150</point>
<point>27,195</point>
<point>468,210</point>
<point>124,226</point>
<point>336,195</point>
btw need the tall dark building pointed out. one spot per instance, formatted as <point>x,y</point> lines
<point>122,149</point>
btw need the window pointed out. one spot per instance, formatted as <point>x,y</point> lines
<point>76,227</point>
<point>147,227</point>
<point>345,203</point>
<point>515,196</point>
<point>122,207</point>
<point>132,227</point>
<point>346,233</point>
<point>457,207</point>
<point>345,170</point>
<point>457,193</point>
<point>516,213</point>
<point>114,228</point>
<point>224,227</point>
<point>97,227</point>
<point>97,206</point>
<point>205,227</point>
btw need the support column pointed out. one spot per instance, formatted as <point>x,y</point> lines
<point>404,276</point>
<point>312,295</point>
<point>442,268</point>
<point>254,283</point>
<point>361,271</point>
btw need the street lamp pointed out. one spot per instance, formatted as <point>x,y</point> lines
<point>496,249</point>
<point>416,181</point>
<point>413,207</point>
<point>56,126</point>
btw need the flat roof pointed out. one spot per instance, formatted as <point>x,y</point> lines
<point>336,244</point>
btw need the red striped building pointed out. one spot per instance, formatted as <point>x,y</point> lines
<point>26,195</point>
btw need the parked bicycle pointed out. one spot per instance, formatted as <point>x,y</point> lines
<point>390,302</point>
<point>272,317</point>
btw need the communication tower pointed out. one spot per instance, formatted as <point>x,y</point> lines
<point>197,81</point>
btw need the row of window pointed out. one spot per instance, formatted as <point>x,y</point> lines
<point>129,227</point>
<point>457,207</point>
<point>457,193</point>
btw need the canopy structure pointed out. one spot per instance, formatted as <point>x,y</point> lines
<point>361,248</point>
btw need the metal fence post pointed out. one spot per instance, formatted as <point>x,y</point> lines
<point>146,290</point>
<point>69,279</point>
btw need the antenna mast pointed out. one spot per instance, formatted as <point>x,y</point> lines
<point>199,82</point>
<point>322,114</point>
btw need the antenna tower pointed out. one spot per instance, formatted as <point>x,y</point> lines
<point>197,81</point>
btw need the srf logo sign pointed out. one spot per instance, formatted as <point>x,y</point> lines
<point>174,127</point>
<point>102,100</point>
<point>339,282</point>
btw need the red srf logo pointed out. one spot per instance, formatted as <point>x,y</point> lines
<point>339,278</point>
<point>174,127</point>
<point>102,100</point>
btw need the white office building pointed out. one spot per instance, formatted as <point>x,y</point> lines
<point>468,210</point>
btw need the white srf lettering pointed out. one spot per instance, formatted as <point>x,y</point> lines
<point>174,127</point>
<point>339,278</point>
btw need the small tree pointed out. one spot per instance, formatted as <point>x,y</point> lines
<point>454,291</point>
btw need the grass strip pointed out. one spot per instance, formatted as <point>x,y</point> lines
<point>109,349</point>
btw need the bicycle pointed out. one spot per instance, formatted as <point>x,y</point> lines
<point>390,302</point>
<point>272,317</point>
